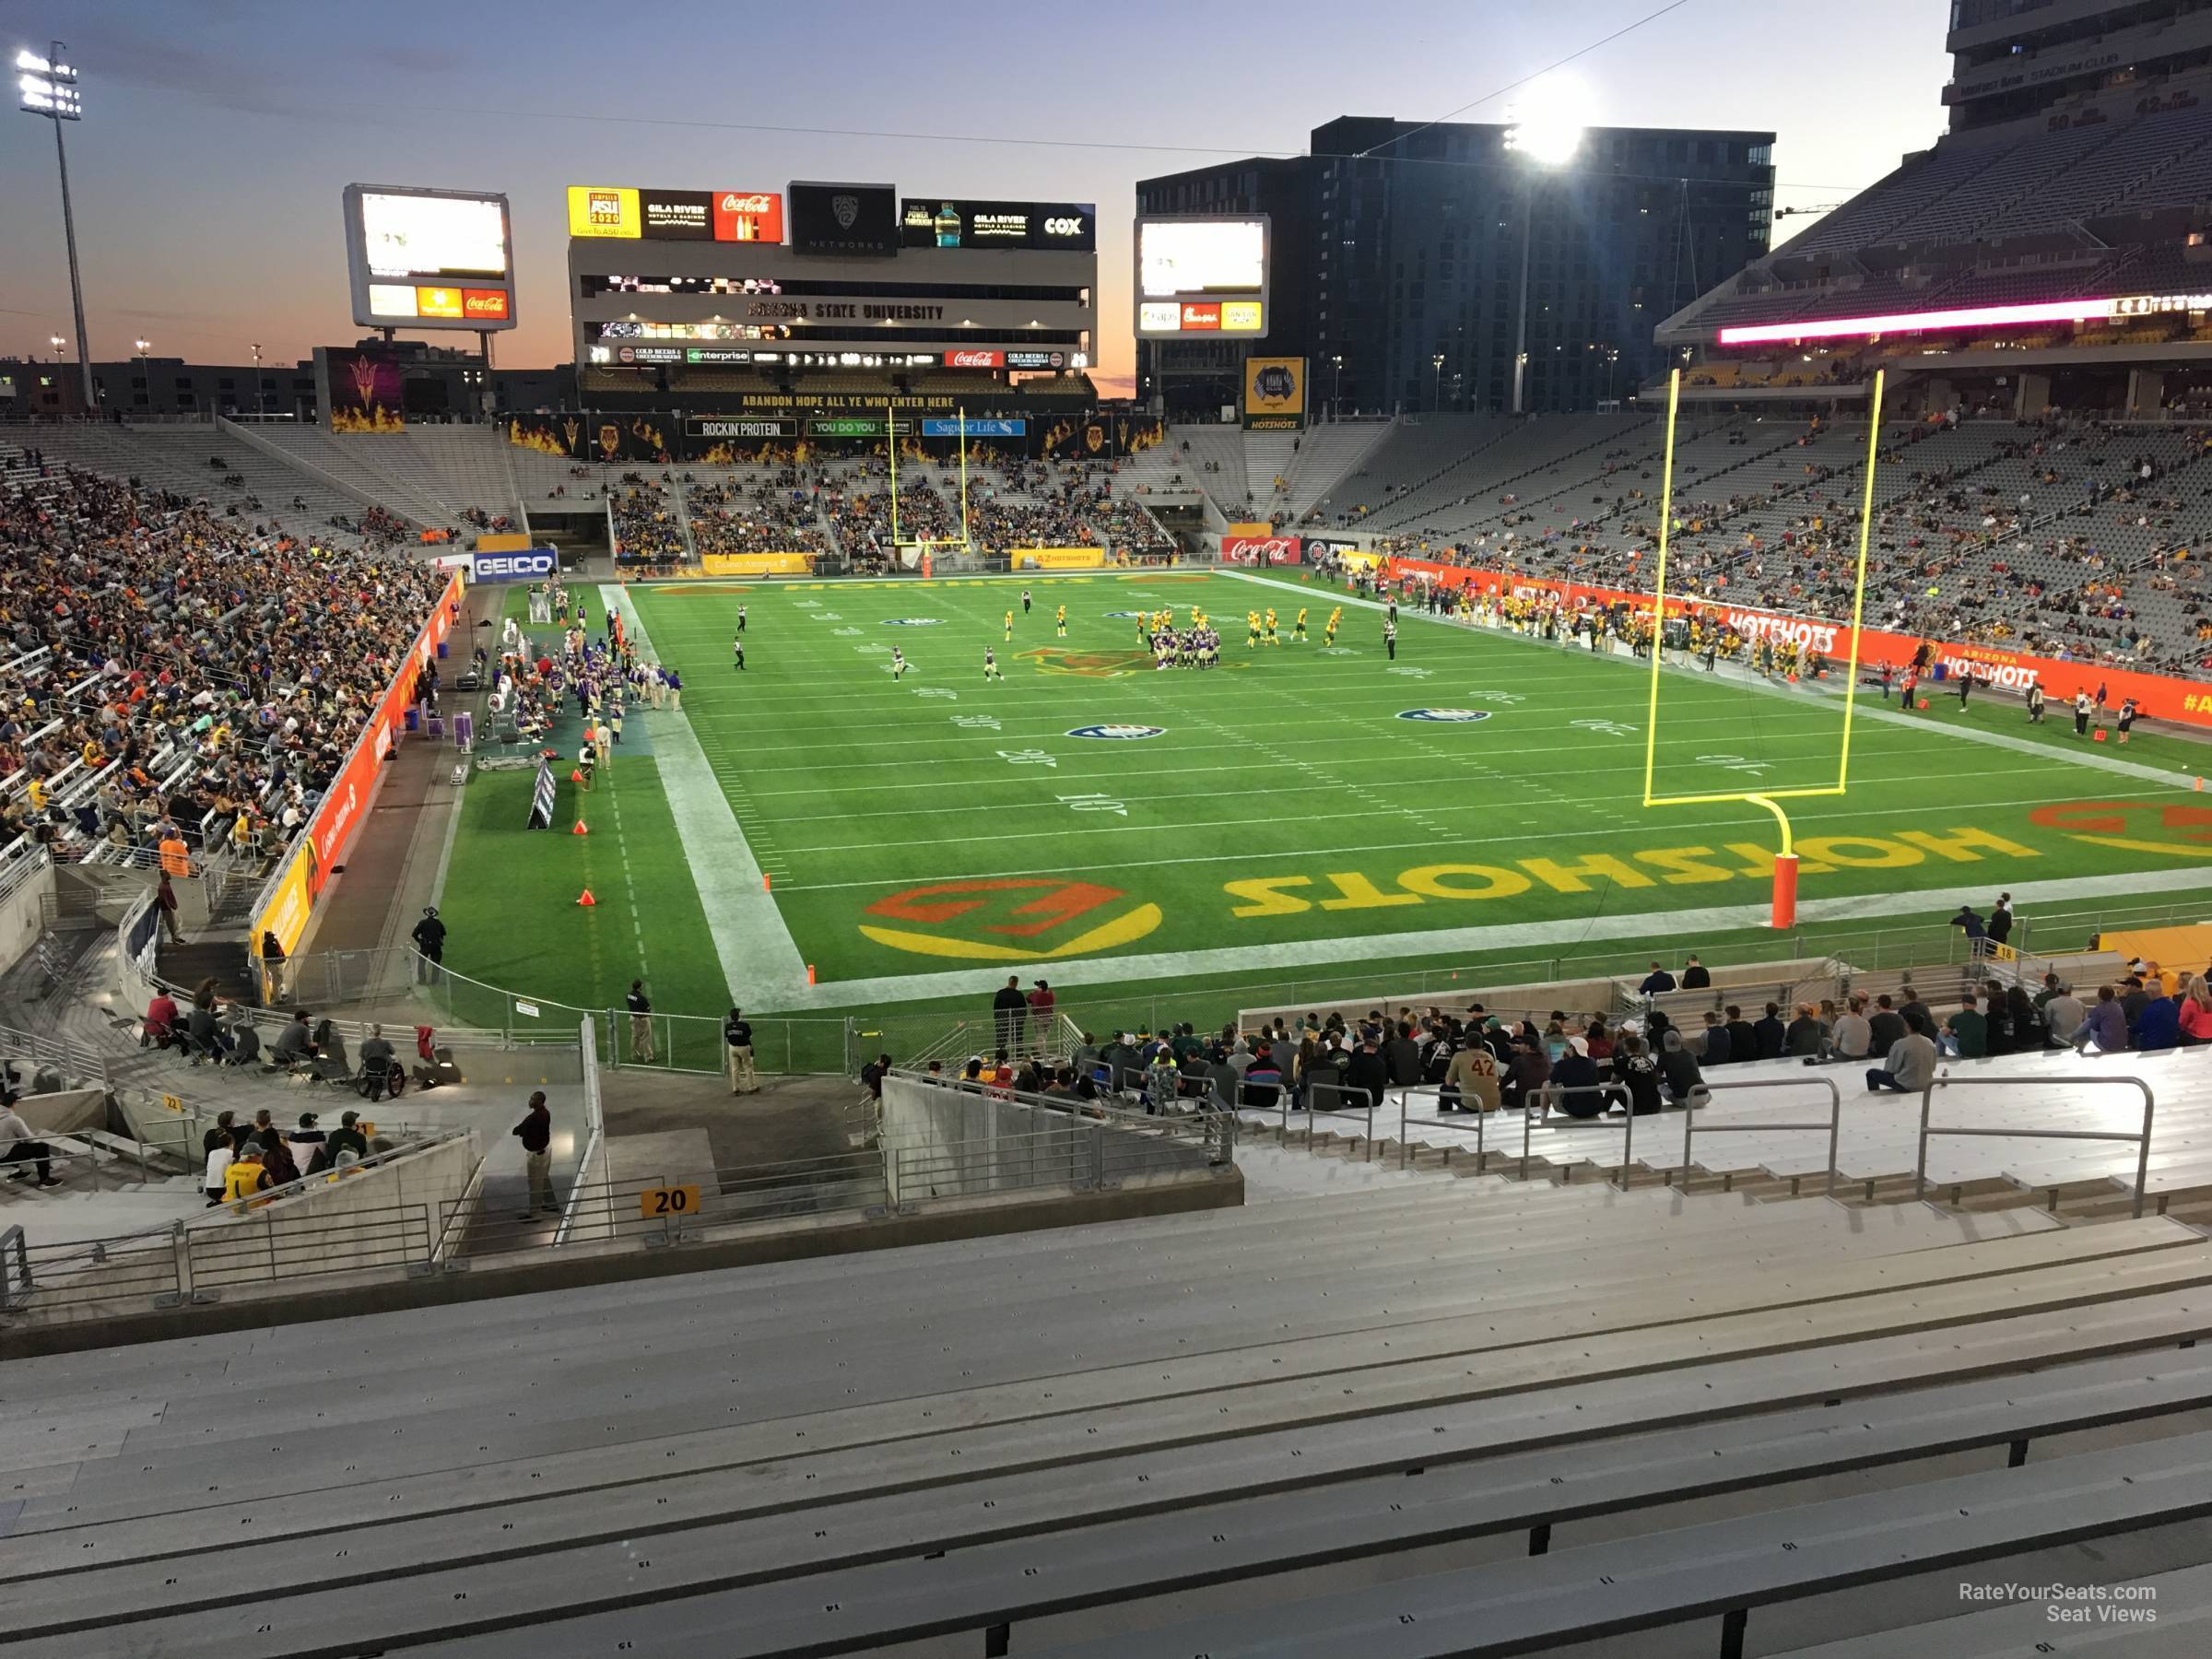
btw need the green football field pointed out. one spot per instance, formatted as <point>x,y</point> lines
<point>1302,813</point>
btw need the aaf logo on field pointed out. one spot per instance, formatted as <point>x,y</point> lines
<point>1128,613</point>
<point>912,622</point>
<point>1123,733</point>
<point>1446,716</point>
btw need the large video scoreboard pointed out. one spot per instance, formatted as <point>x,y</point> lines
<point>828,274</point>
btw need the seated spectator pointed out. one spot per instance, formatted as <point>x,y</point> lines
<point>244,1176</point>
<point>1657,983</point>
<point>1718,1048</point>
<point>1805,1034</point>
<point>2160,1025</point>
<point>1471,1080</point>
<point>1967,1031</point>
<point>2105,1025</point>
<point>2195,1015</point>
<point>1574,1077</point>
<point>1770,1035</point>
<point>1637,1070</point>
<point>1909,1067</point>
<point>160,1021</point>
<point>293,1046</point>
<point>23,1146</point>
<point>1528,1071</point>
<point>1678,1069</point>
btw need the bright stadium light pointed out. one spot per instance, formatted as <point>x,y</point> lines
<point>1545,131</point>
<point>48,88</point>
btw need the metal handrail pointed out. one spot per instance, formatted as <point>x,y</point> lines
<point>1834,1125</point>
<point>2142,1139</point>
<point>1544,1094</point>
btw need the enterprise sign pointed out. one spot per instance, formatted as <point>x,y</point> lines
<point>1972,316</point>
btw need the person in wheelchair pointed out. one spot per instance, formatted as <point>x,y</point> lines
<point>381,1070</point>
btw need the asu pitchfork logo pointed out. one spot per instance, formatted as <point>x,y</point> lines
<point>1009,919</point>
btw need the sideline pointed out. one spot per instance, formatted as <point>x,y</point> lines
<point>760,961</point>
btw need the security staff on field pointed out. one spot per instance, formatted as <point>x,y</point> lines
<point>738,1036</point>
<point>429,939</point>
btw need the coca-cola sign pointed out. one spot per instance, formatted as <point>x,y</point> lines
<point>975,360</point>
<point>1260,549</point>
<point>748,216</point>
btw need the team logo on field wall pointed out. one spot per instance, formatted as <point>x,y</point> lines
<point>979,921</point>
<point>1123,732</point>
<point>1445,716</point>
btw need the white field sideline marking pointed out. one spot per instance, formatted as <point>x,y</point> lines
<point>759,959</point>
<point>1460,941</point>
<point>2126,768</point>
<point>1433,844</point>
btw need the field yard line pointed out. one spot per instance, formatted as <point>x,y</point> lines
<point>1631,826</point>
<point>759,959</point>
<point>2126,768</point>
<point>1382,949</point>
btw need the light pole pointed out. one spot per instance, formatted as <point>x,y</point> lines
<point>146,374</point>
<point>1548,131</point>
<point>49,88</point>
<point>1436,394</point>
<point>260,407</point>
<point>1336,395</point>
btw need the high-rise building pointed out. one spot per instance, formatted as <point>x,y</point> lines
<point>1410,261</point>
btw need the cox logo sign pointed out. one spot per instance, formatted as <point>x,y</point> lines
<point>514,567</point>
<point>1122,733</point>
<point>1063,227</point>
<point>1446,716</point>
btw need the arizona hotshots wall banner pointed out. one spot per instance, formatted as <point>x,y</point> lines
<point>1058,558</point>
<point>2186,703</point>
<point>1275,394</point>
<point>756,564</point>
<point>1260,549</point>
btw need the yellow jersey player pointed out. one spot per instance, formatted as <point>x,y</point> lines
<point>1009,625</point>
<point>1298,629</point>
<point>991,668</point>
<point>1060,622</point>
<point>1271,638</point>
<point>1328,636</point>
<point>1251,628</point>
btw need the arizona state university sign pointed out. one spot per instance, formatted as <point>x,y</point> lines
<point>980,921</point>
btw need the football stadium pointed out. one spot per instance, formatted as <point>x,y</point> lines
<point>1433,892</point>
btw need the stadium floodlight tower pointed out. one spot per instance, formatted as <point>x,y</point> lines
<point>1546,132</point>
<point>48,87</point>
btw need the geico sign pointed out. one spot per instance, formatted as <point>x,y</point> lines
<point>513,564</point>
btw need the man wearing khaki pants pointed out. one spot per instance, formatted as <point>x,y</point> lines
<point>738,1034</point>
<point>641,1024</point>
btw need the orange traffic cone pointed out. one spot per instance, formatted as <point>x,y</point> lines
<point>576,776</point>
<point>587,901</point>
<point>2200,786</point>
<point>810,973</point>
<point>581,828</point>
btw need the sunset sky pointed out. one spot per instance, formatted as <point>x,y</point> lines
<point>219,133</point>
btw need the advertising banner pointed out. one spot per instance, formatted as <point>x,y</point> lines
<point>1275,394</point>
<point>1260,549</point>
<point>751,216</point>
<point>347,797</point>
<point>2186,703</point>
<point>861,220</point>
<point>756,564</point>
<point>1058,558</point>
<point>717,428</point>
<point>936,222</point>
<point>677,215</point>
<point>501,541</point>
<point>983,426</point>
<point>1087,437</point>
<point>290,906</point>
<point>603,210</point>
<point>533,564</point>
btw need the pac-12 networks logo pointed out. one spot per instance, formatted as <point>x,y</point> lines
<point>980,921</point>
<point>1123,733</point>
<point>1445,716</point>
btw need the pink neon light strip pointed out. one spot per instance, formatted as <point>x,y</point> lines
<point>1975,316</point>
